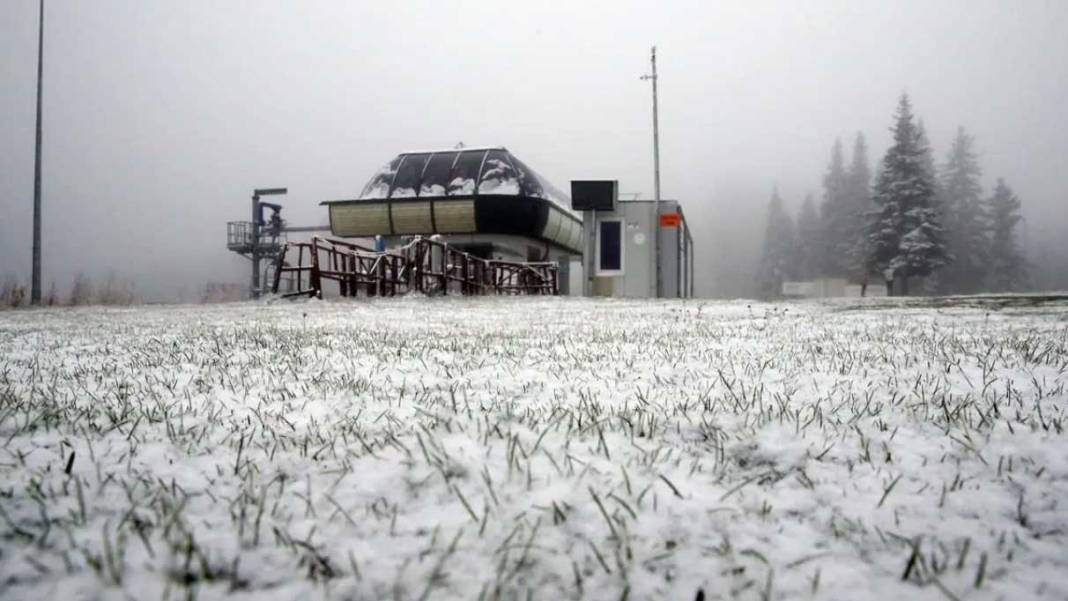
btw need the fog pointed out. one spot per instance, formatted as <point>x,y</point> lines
<point>161,117</point>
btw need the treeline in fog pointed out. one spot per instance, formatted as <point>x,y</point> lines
<point>115,290</point>
<point>919,227</point>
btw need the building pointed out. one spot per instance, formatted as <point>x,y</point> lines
<point>486,202</point>
<point>621,256</point>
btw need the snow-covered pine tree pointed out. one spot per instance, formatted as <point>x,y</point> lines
<point>809,240</point>
<point>779,260</point>
<point>905,233</point>
<point>933,281</point>
<point>858,193</point>
<point>835,217</point>
<point>927,154</point>
<point>1007,268</point>
<point>965,218</point>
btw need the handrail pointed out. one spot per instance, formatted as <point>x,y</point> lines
<point>422,265</point>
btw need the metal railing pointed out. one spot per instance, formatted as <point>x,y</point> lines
<point>424,265</point>
<point>238,234</point>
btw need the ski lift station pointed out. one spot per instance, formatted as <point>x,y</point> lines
<point>475,221</point>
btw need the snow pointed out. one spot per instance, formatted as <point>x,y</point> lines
<point>377,190</point>
<point>498,177</point>
<point>570,448</point>
<point>432,190</point>
<point>462,185</point>
<point>455,149</point>
<point>378,187</point>
<point>499,186</point>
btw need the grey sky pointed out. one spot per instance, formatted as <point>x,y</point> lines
<point>160,117</point>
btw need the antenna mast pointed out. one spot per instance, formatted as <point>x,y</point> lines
<point>656,175</point>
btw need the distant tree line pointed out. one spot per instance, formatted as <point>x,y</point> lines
<point>917,224</point>
<point>114,291</point>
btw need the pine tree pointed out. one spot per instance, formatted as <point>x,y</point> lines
<point>933,282</point>
<point>927,155</point>
<point>835,214</point>
<point>778,263</point>
<point>905,235</point>
<point>965,218</point>
<point>858,194</point>
<point>1007,267</point>
<point>809,240</point>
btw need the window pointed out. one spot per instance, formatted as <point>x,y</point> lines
<point>529,185</point>
<point>379,185</point>
<point>498,176</point>
<point>465,173</point>
<point>406,184</point>
<point>610,247</point>
<point>436,174</point>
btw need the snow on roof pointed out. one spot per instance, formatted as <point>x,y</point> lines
<point>460,172</point>
<point>460,149</point>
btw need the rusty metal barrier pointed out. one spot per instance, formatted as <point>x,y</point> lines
<point>424,265</point>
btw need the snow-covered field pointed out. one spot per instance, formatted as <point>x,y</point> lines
<point>534,449</point>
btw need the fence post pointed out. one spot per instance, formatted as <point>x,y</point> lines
<point>342,281</point>
<point>300,271</point>
<point>279,262</point>
<point>395,276</point>
<point>418,248</point>
<point>314,278</point>
<point>380,275</point>
<point>444,269</point>
<point>465,282</point>
<point>354,283</point>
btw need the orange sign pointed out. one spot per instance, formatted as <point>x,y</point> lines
<point>670,220</point>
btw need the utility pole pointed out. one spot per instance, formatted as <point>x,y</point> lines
<point>35,282</point>
<point>656,178</point>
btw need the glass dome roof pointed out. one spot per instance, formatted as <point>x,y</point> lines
<point>462,172</point>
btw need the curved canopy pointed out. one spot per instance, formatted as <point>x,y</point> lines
<point>462,172</point>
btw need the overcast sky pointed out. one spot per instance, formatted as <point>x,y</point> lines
<point>160,117</point>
